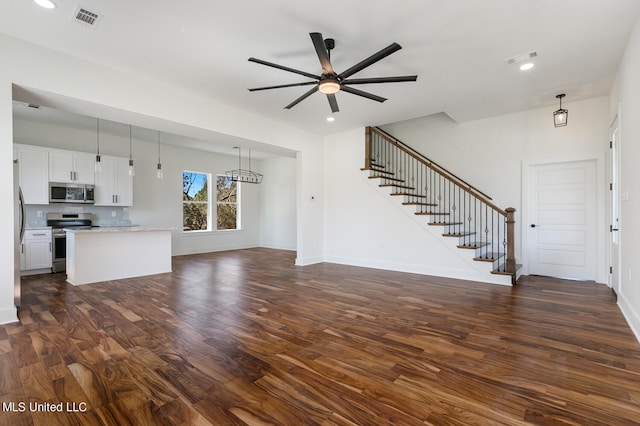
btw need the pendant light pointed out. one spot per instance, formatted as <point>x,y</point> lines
<point>97,167</point>
<point>159,173</point>
<point>560,116</point>
<point>132,171</point>
<point>243,175</point>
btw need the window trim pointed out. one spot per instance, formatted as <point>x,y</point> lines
<point>237,204</point>
<point>208,203</point>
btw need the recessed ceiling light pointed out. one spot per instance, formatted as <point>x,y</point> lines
<point>47,4</point>
<point>526,66</point>
<point>330,119</point>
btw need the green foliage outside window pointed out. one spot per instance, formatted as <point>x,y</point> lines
<point>195,201</point>
<point>226,203</point>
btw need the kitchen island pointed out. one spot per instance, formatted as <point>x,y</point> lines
<point>111,253</point>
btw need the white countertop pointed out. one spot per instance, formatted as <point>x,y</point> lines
<point>104,229</point>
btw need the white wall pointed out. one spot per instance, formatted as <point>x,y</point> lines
<point>366,228</point>
<point>98,91</point>
<point>492,154</point>
<point>277,204</point>
<point>627,92</point>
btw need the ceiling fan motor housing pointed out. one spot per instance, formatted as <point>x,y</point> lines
<point>329,43</point>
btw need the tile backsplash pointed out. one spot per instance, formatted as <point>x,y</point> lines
<point>36,215</point>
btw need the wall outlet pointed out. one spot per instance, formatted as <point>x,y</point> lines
<point>113,213</point>
<point>39,213</point>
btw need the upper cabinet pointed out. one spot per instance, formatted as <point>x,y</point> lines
<point>33,166</point>
<point>40,165</point>
<point>114,185</point>
<point>71,167</point>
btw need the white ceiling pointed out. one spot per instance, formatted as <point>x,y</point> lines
<point>456,47</point>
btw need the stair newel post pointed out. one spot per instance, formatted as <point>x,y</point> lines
<point>511,249</point>
<point>367,148</point>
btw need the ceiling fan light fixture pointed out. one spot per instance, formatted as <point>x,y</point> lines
<point>527,66</point>
<point>47,4</point>
<point>329,86</point>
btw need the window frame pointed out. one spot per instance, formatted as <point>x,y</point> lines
<point>208,203</point>
<point>236,203</point>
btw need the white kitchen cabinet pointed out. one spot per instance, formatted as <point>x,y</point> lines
<point>114,186</point>
<point>71,167</point>
<point>33,167</point>
<point>37,249</point>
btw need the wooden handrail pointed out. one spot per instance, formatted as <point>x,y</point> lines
<point>433,165</point>
<point>431,162</point>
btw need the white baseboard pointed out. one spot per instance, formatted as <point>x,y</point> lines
<point>309,260</point>
<point>8,315</point>
<point>201,250</point>
<point>277,246</point>
<point>631,315</point>
<point>419,269</point>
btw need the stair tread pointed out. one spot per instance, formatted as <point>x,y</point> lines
<point>489,257</point>
<point>431,213</point>
<point>475,245</point>
<point>458,234</point>
<point>408,194</point>
<point>415,203</point>
<point>498,272</point>
<point>382,185</point>
<point>376,168</point>
<point>386,178</point>
<point>444,223</point>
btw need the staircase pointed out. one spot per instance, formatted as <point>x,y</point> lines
<point>456,210</point>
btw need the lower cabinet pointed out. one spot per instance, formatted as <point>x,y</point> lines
<point>36,250</point>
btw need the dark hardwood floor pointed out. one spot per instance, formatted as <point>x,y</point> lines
<point>245,337</point>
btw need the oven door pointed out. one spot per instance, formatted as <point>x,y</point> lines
<point>59,252</point>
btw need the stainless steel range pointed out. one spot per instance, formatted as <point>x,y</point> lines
<point>58,222</point>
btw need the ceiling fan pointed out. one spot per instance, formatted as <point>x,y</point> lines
<point>330,82</point>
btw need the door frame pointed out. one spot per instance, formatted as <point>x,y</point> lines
<point>602,268</point>
<point>614,128</point>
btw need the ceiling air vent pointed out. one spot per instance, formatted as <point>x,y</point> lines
<point>86,17</point>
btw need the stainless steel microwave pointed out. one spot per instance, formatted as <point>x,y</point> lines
<point>71,193</point>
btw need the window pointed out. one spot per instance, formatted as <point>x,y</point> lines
<point>227,203</point>
<point>196,210</point>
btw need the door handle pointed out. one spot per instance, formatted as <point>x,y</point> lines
<point>533,225</point>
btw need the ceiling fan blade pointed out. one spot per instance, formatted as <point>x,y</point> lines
<point>333,102</point>
<point>302,98</point>
<point>282,67</point>
<point>280,86</point>
<point>393,47</point>
<point>363,94</point>
<point>321,50</point>
<point>398,79</point>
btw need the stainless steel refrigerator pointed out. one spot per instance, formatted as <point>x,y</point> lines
<point>19,215</point>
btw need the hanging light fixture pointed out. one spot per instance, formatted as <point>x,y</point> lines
<point>97,167</point>
<point>132,171</point>
<point>560,116</point>
<point>243,175</point>
<point>159,173</point>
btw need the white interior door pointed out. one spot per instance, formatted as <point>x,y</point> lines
<point>614,205</point>
<point>562,215</point>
